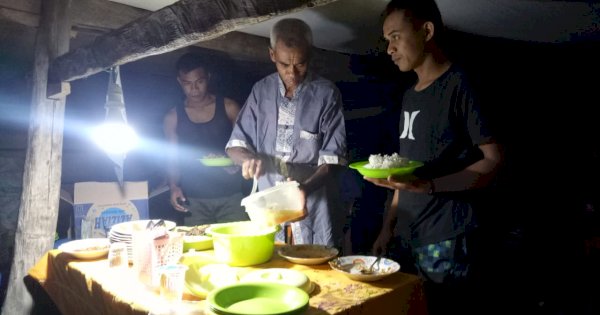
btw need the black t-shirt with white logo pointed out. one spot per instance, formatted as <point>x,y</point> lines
<point>441,126</point>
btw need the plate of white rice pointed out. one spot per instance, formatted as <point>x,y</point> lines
<point>383,165</point>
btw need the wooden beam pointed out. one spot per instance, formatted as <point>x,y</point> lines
<point>60,38</point>
<point>58,91</point>
<point>38,211</point>
<point>238,45</point>
<point>20,17</point>
<point>99,17</point>
<point>93,14</point>
<point>103,14</point>
<point>28,6</point>
<point>181,24</point>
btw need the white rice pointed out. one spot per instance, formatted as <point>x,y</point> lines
<point>386,161</point>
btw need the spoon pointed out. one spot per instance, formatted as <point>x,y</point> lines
<point>369,270</point>
<point>254,185</point>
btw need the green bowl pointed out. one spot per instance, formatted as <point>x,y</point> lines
<point>258,298</point>
<point>242,243</point>
<point>197,242</point>
<point>197,257</point>
<point>384,172</point>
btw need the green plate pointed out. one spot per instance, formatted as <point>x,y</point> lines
<point>258,298</point>
<point>384,172</point>
<point>219,162</point>
<point>203,277</point>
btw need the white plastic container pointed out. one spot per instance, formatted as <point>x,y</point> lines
<point>275,205</point>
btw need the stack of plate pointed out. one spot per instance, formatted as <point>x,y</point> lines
<point>122,232</point>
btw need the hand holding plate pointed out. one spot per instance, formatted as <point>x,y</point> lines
<point>403,182</point>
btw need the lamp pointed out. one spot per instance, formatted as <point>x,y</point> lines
<point>115,136</point>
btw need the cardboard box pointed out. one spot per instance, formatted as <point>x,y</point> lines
<point>100,205</point>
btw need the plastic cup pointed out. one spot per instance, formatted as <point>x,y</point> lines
<point>172,283</point>
<point>87,228</point>
<point>142,243</point>
<point>117,256</point>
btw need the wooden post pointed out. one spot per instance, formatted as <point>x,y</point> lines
<point>38,210</point>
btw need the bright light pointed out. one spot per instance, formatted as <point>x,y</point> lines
<point>115,137</point>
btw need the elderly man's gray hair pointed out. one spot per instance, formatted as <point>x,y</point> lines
<point>293,32</point>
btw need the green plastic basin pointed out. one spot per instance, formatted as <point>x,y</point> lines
<point>242,243</point>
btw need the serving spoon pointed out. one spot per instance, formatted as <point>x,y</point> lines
<point>254,185</point>
<point>369,270</point>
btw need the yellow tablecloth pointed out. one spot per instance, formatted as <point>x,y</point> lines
<point>89,287</point>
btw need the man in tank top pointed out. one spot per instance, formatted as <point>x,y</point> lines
<point>197,128</point>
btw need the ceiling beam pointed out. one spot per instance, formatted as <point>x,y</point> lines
<point>179,25</point>
<point>99,14</point>
<point>98,17</point>
<point>30,6</point>
<point>103,14</point>
<point>20,17</point>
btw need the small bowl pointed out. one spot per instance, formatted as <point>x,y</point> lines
<point>242,243</point>
<point>353,266</point>
<point>88,248</point>
<point>258,298</point>
<point>307,254</point>
<point>197,257</point>
<point>197,242</point>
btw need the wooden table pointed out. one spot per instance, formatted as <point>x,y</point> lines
<point>90,287</point>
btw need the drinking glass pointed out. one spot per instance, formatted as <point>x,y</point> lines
<point>117,256</point>
<point>172,279</point>
<point>87,228</point>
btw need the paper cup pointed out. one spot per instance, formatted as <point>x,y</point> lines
<point>172,281</point>
<point>117,256</point>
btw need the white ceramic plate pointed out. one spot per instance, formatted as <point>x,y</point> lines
<point>127,228</point>
<point>306,254</point>
<point>88,248</point>
<point>115,234</point>
<point>353,266</point>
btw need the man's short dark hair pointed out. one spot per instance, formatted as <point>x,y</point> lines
<point>420,11</point>
<point>191,61</point>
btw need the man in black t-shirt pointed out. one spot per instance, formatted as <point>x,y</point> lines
<point>441,125</point>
